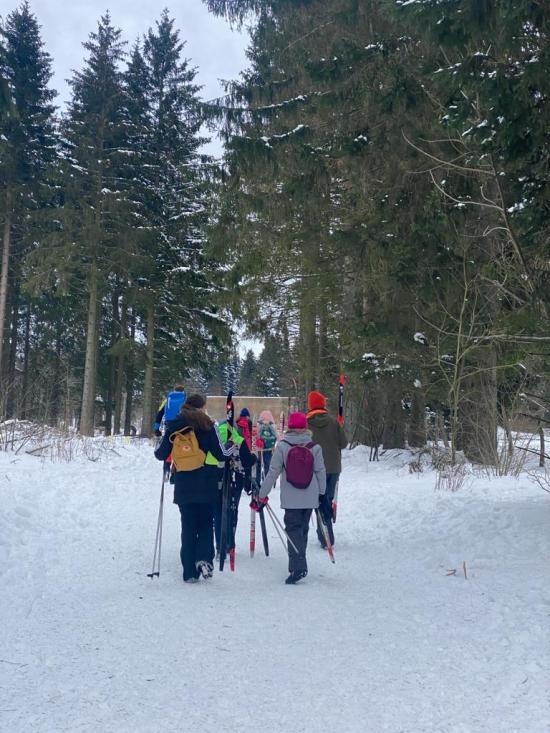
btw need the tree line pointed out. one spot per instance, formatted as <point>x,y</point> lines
<point>105,291</point>
<point>381,210</point>
<point>390,159</point>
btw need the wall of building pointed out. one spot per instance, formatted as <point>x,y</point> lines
<point>215,406</point>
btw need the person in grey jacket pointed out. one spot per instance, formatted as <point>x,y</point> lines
<point>297,503</point>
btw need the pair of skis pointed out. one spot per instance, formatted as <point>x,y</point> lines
<point>227,536</point>
<point>253,532</point>
<point>262,523</point>
<point>226,519</point>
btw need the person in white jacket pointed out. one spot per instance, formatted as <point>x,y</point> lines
<point>298,502</point>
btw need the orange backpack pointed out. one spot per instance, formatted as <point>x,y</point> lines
<point>186,452</point>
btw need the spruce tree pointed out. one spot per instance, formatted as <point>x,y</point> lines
<point>177,300</point>
<point>94,135</point>
<point>27,150</point>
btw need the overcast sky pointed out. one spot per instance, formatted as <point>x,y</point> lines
<point>212,46</point>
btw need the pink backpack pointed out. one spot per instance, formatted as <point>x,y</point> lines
<point>299,465</point>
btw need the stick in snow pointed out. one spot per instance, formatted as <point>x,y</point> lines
<point>158,538</point>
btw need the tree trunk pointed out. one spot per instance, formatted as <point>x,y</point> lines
<point>479,410</point>
<point>111,385</point>
<point>325,376</point>
<point>309,350</point>
<point>120,373</point>
<point>4,278</point>
<point>13,408</point>
<point>88,389</point>
<point>130,376</point>
<point>54,409</point>
<point>417,427</point>
<point>394,426</point>
<point>26,364</point>
<point>147,423</point>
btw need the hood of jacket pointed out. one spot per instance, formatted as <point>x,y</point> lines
<point>295,437</point>
<point>319,420</point>
<point>177,423</point>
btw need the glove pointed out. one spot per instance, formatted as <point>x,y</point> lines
<point>156,429</point>
<point>258,504</point>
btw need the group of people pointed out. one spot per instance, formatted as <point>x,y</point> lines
<point>198,448</point>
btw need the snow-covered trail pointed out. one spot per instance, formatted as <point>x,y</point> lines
<point>382,641</point>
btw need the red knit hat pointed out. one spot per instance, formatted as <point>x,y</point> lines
<point>297,421</point>
<point>316,401</point>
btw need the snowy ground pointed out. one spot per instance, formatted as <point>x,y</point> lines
<point>384,640</point>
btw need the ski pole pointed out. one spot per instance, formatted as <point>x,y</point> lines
<point>279,533</point>
<point>158,537</point>
<point>232,527</point>
<point>276,521</point>
<point>226,485</point>
<point>264,533</point>
<point>252,532</point>
<point>326,535</point>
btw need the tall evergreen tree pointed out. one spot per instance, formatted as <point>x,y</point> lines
<point>27,149</point>
<point>173,290</point>
<point>94,133</point>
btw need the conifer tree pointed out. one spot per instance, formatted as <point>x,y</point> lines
<point>27,149</point>
<point>249,376</point>
<point>181,324</point>
<point>94,135</point>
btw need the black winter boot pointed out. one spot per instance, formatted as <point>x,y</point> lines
<point>205,569</point>
<point>295,576</point>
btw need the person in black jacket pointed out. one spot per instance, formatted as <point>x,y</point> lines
<point>195,492</point>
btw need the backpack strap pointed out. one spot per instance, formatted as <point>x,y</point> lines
<point>181,431</point>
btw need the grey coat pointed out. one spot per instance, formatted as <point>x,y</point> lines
<point>291,497</point>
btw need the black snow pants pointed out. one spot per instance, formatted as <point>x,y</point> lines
<point>196,537</point>
<point>297,527</point>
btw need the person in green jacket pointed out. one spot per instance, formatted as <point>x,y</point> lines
<point>330,435</point>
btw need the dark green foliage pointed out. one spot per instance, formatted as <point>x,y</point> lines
<point>386,165</point>
<point>118,231</point>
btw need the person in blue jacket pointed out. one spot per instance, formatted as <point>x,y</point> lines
<point>169,407</point>
<point>196,491</point>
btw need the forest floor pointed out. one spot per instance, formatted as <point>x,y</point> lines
<point>385,640</point>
